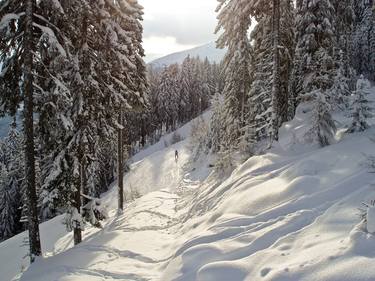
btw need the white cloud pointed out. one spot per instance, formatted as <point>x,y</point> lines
<point>175,25</point>
<point>156,47</point>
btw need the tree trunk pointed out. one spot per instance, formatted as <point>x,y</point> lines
<point>83,176</point>
<point>276,87</point>
<point>143,133</point>
<point>77,231</point>
<point>81,183</point>
<point>33,222</point>
<point>120,168</point>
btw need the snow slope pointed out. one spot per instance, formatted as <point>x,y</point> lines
<point>208,51</point>
<point>153,169</point>
<point>137,244</point>
<point>288,215</point>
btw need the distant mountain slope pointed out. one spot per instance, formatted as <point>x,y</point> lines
<point>209,50</point>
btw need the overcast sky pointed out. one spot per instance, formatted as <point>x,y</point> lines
<point>175,25</point>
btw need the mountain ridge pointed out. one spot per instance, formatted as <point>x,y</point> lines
<point>208,51</point>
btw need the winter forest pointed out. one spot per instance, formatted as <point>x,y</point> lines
<point>257,165</point>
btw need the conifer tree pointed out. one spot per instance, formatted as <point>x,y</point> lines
<point>361,107</point>
<point>269,106</point>
<point>236,66</point>
<point>364,39</point>
<point>24,33</point>
<point>314,52</point>
<point>11,183</point>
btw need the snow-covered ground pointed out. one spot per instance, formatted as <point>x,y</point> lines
<point>288,215</point>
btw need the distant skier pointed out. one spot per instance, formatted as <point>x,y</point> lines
<point>176,155</point>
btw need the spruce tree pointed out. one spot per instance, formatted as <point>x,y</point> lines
<point>11,183</point>
<point>314,52</point>
<point>269,105</point>
<point>24,33</point>
<point>235,19</point>
<point>361,107</point>
<point>364,39</point>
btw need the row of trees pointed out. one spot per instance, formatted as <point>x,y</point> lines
<point>74,70</point>
<point>308,51</point>
<point>178,94</point>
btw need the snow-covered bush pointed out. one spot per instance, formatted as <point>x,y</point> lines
<point>166,144</point>
<point>94,212</point>
<point>367,215</point>
<point>176,137</point>
<point>225,162</point>
<point>216,124</point>
<point>133,193</point>
<point>323,127</point>
<point>199,138</point>
<point>73,220</point>
<point>361,109</point>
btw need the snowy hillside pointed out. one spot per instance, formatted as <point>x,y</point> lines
<point>290,214</point>
<point>156,161</point>
<point>209,50</point>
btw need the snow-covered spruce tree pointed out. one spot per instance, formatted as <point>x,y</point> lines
<point>201,85</point>
<point>315,54</point>
<point>110,74</point>
<point>344,26</point>
<point>186,87</point>
<point>153,118</point>
<point>78,117</point>
<point>323,128</point>
<point>261,87</point>
<point>263,67</point>
<point>216,126</point>
<point>11,182</point>
<point>361,107</point>
<point>340,91</point>
<point>208,80</point>
<point>343,21</point>
<point>22,31</point>
<point>195,87</point>
<point>168,97</point>
<point>279,103</point>
<point>218,76</point>
<point>8,206</point>
<point>54,103</point>
<point>364,39</point>
<point>234,21</point>
<point>123,54</point>
<point>199,138</point>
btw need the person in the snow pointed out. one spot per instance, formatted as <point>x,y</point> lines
<point>176,155</point>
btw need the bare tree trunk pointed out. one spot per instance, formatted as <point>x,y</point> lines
<point>276,88</point>
<point>33,222</point>
<point>120,159</point>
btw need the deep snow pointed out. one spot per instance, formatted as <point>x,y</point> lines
<point>290,214</point>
